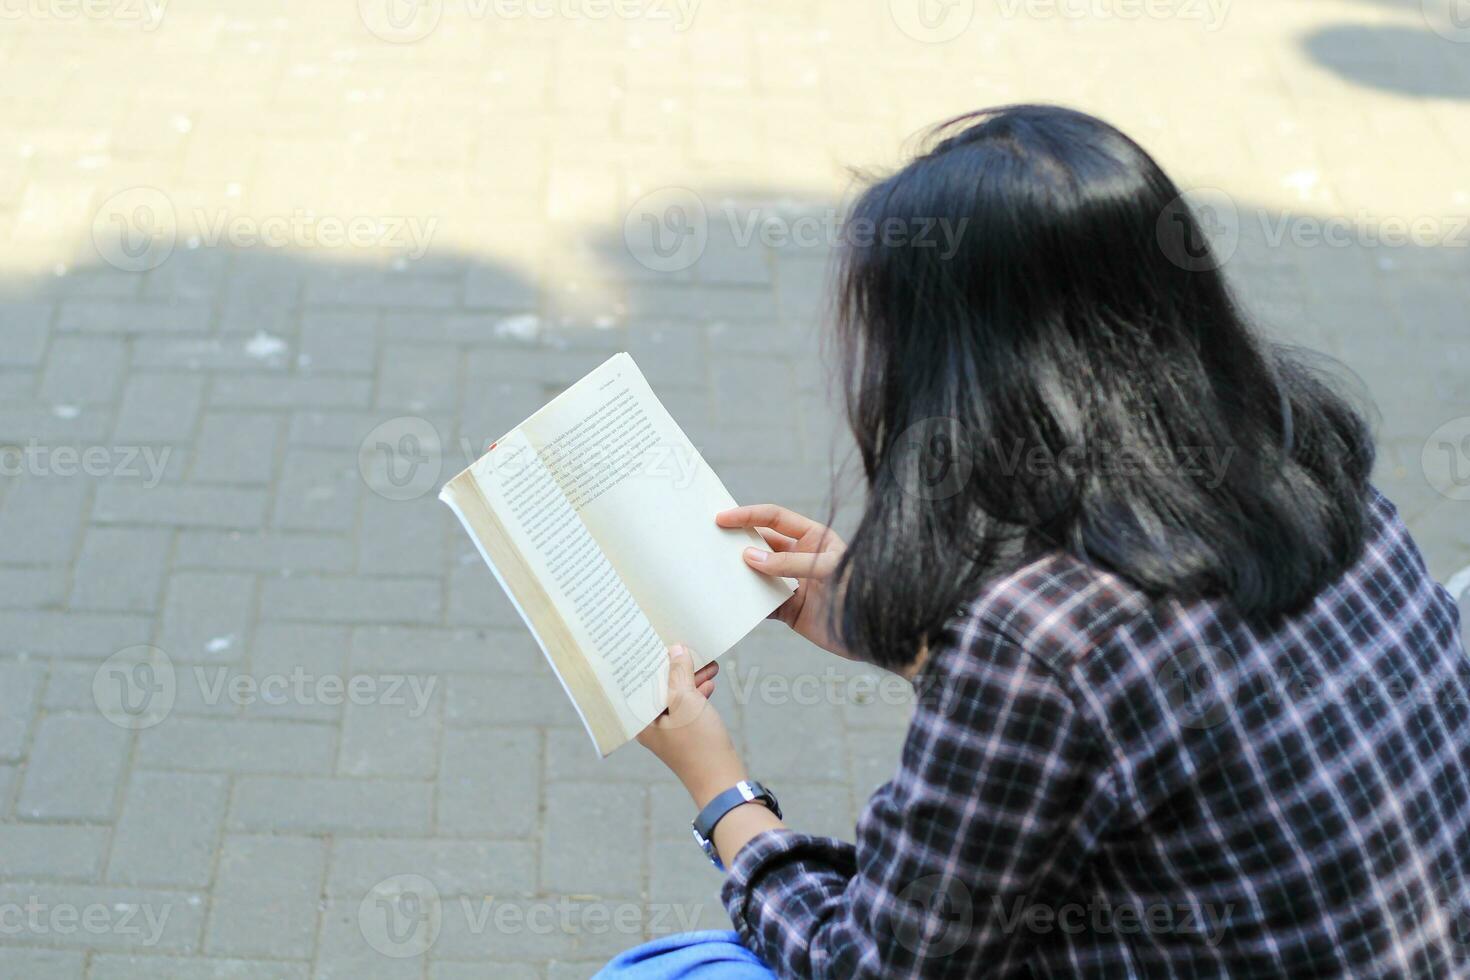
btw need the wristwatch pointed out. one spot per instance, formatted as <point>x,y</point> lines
<point>745,791</point>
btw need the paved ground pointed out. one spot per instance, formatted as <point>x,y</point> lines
<point>243,241</point>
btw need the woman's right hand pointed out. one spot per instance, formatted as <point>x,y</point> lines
<point>801,549</point>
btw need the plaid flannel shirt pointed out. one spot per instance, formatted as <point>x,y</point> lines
<point>1097,784</point>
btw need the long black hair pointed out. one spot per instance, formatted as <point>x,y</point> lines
<point>1040,354</point>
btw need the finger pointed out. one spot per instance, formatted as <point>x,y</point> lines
<point>775,540</point>
<point>792,565</point>
<point>788,522</point>
<point>707,689</point>
<point>707,672</point>
<point>681,668</point>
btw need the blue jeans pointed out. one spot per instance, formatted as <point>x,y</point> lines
<point>711,955</point>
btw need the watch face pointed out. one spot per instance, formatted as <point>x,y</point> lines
<point>708,847</point>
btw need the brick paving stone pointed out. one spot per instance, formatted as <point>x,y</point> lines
<point>41,520</point>
<point>506,651</point>
<point>182,506</point>
<point>478,700</point>
<point>159,408</point>
<point>84,370</point>
<point>338,342</point>
<point>42,851</point>
<point>265,897</point>
<point>487,783</point>
<point>404,537</point>
<point>476,971</point>
<point>206,616</point>
<point>262,551</point>
<point>455,867</point>
<point>218,745</point>
<point>237,447</point>
<point>121,569</point>
<point>287,805</point>
<point>74,770</point>
<point>26,333</point>
<point>20,688</point>
<point>311,598</point>
<point>394,734</point>
<point>168,830</point>
<point>42,964</point>
<point>109,966</point>
<point>683,890</point>
<point>7,781</point>
<point>264,391</point>
<point>616,868</point>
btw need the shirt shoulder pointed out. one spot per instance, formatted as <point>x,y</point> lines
<point>1056,609</point>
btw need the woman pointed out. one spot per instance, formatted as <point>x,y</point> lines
<point>1188,703</point>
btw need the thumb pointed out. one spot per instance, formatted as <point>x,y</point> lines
<point>685,701</point>
<point>681,668</point>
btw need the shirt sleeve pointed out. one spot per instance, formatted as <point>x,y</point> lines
<point>1001,794</point>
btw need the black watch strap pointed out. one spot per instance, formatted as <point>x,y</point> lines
<point>745,791</point>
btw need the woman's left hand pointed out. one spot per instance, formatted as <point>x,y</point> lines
<point>690,737</point>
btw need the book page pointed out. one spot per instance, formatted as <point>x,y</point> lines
<point>620,645</point>
<point>649,499</point>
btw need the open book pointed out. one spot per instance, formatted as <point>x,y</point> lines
<point>597,515</point>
